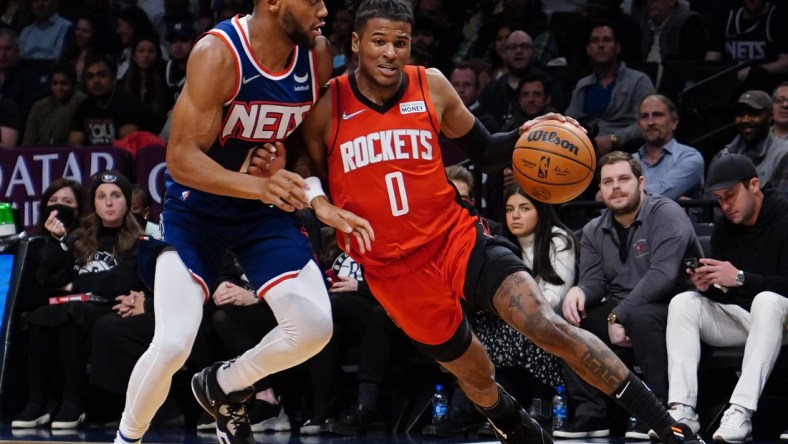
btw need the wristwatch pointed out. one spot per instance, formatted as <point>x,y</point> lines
<point>612,319</point>
<point>740,278</point>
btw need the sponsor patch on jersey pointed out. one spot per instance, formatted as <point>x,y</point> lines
<point>412,107</point>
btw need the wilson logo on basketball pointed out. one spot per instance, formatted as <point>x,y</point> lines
<point>552,137</point>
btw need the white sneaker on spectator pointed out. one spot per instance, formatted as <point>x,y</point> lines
<point>279,423</point>
<point>735,426</point>
<point>683,414</point>
<point>784,435</point>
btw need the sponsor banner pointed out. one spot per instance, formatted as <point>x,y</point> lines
<point>26,172</point>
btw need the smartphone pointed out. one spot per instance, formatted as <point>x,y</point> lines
<point>691,262</point>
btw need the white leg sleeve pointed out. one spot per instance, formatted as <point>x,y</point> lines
<point>693,319</point>
<point>178,302</point>
<point>302,307</point>
<point>768,314</point>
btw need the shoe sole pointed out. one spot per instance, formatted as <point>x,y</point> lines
<point>720,439</point>
<point>41,420</point>
<point>310,430</point>
<point>594,434</point>
<point>64,425</point>
<point>638,435</point>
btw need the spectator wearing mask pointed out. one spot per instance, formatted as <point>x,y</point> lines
<point>94,265</point>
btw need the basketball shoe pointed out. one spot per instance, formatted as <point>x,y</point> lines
<point>228,409</point>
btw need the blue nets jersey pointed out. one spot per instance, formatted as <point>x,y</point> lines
<point>265,107</point>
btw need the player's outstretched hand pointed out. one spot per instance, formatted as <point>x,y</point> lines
<point>267,159</point>
<point>285,190</point>
<point>346,222</point>
<point>549,116</point>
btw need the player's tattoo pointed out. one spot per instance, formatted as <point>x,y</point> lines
<point>520,305</point>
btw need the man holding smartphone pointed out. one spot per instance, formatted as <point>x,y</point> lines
<point>739,297</point>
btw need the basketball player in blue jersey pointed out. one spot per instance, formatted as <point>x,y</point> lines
<point>250,82</point>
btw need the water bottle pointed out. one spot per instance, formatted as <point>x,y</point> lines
<point>559,408</point>
<point>632,423</point>
<point>439,404</point>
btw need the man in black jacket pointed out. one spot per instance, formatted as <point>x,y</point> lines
<point>739,299</point>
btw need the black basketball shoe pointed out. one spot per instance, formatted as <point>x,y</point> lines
<point>229,410</point>
<point>527,431</point>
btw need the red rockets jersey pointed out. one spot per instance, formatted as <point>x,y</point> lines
<point>385,165</point>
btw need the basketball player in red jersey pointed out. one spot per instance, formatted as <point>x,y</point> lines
<point>376,133</point>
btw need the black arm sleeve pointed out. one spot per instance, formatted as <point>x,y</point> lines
<point>489,152</point>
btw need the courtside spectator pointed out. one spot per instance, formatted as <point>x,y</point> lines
<point>16,82</point>
<point>45,37</point>
<point>739,298</point>
<point>753,111</point>
<point>670,168</point>
<point>49,122</point>
<point>90,34</point>
<point>145,81</point>
<point>533,100</point>
<point>609,96</point>
<point>630,268</point>
<point>465,81</point>
<point>755,32</point>
<point>180,40</point>
<point>110,112</point>
<point>499,96</point>
<point>132,23</point>
<point>671,31</point>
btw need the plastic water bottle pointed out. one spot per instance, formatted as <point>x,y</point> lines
<point>632,423</point>
<point>559,408</point>
<point>439,404</point>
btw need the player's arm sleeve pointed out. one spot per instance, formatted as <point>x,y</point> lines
<point>490,152</point>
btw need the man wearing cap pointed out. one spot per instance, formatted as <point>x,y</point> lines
<point>180,40</point>
<point>739,297</point>
<point>752,112</point>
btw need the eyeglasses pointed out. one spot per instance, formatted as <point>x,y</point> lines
<point>516,46</point>
<point>780,100</point>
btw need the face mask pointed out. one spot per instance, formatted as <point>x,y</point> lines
<point>65,214</point>
<point>140,220</point>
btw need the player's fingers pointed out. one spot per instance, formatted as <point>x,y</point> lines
<point>279,149</point>
<point>283,193</point>
<point>574,122</point>
<point>363,245</point>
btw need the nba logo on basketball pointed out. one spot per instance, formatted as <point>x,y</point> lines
<point>544,166</point>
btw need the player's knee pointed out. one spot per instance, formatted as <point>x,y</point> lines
<point>172,350</point>
<point>314,330</point>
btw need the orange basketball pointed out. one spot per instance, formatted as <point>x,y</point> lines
<point>553,162</point>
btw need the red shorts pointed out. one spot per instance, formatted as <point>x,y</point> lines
<point>422,291</point>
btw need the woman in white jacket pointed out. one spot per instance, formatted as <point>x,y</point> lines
<point>550,251</point>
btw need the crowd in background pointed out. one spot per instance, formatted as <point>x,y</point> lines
<point>96,72</point>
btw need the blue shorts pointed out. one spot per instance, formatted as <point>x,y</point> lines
<point>271,245</point>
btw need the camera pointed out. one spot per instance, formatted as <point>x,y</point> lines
<point>691,263</point>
